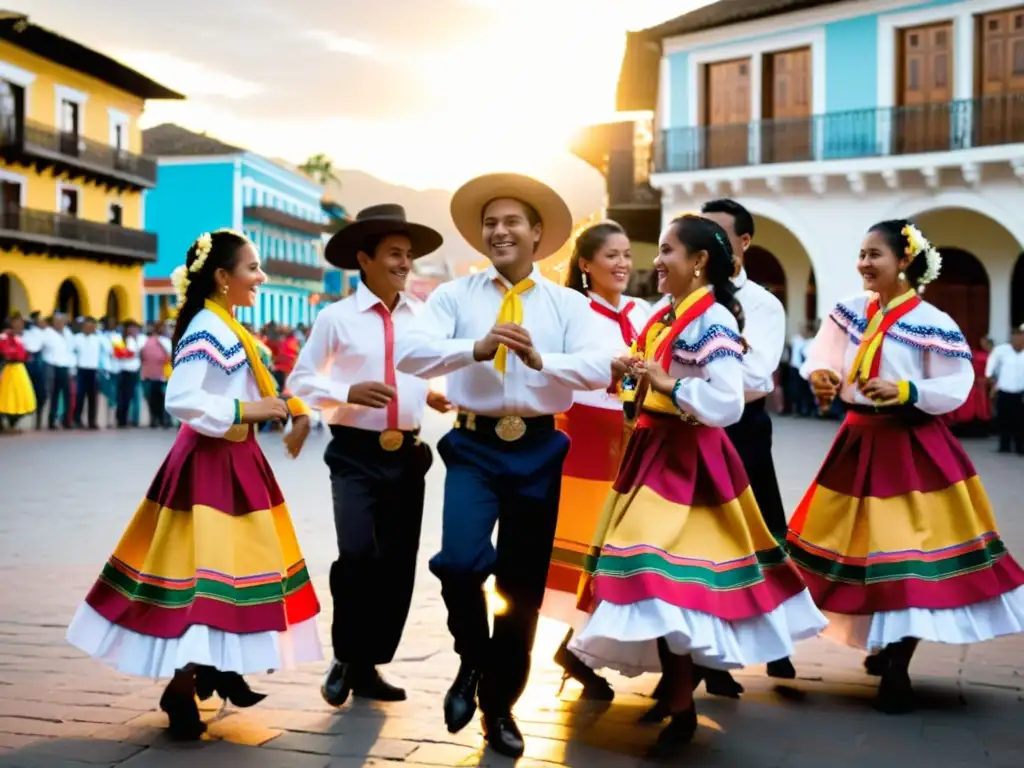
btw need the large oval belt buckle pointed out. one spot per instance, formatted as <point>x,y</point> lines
<point>237,433</point>
<point>510,428</point>
<point>391,440</point>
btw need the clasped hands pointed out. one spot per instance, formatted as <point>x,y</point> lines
<point>513,336</point>
<point>637,367</point>
<point>826,385</point>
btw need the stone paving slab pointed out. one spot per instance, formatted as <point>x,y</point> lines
<point>66,497</point>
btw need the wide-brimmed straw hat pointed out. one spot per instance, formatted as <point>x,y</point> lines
<point>377,221</point>
<point>471,198</point>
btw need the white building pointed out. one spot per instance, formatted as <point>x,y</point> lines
<point>825,120</point>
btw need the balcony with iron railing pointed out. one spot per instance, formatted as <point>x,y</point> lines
<point>866,133</point>
<point>45,147</point>
<point>45,232</point>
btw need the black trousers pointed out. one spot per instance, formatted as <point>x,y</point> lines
<point>155,391</point>
<point>127,383</point>
<point>1010,420</point>
<point>752,438</point>
<point>87,392</point>
<point>59,387</point>
<point>378,512</point>
<point>515,486</point>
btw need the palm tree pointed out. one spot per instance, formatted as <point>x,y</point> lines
<point>320,168</point>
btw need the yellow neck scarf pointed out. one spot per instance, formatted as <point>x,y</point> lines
<point>264,380</point>
<point>871,341</point>
<point>511,311</point>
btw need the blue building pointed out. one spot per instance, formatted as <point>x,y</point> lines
<point>824,117</point>
<point>205,184</point>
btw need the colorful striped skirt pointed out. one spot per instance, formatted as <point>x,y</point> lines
<point>598,437</point>
<point>688,557</point>
<point>208,571</point>
<point>896,538</point>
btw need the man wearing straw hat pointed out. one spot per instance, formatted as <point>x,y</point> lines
<point>514,347</point>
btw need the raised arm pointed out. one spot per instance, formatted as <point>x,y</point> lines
<point>310,379</point>
<point>718,400</point>
<point>585,363</point>
<point>430,350</point>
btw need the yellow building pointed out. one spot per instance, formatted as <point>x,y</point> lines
<point>71,176</point>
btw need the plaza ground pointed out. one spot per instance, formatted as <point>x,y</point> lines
<point>65,498</point>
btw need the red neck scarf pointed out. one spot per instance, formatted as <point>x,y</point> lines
<point>621,317</point>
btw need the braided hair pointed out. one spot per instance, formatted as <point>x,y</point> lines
<point>697,234</point>
<point>201,284</point>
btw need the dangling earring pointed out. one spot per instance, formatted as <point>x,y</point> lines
<point>902,277</point>
<point>696,272</point>
<point>586,285</point>
<point>223,289</point>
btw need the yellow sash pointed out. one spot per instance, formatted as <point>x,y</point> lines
<point>264,380</point>
<point>871,341</point>
<point>511,311</point>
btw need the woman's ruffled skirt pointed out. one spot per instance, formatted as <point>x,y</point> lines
<point>896,538</point>
<point>208,571</point>
<point>598,438</point>
<point>687,557</point>
<point>17,397</point>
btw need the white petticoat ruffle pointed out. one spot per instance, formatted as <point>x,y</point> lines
<point>976,623</point>
<point>132,653</point>
<point>624,637</point>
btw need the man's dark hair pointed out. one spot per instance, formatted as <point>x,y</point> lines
<point>743,222</point>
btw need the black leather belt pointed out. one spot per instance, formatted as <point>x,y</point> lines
<point>506,428</point>
<point>389,440</point>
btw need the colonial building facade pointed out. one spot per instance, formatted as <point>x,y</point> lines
<point>206,184</point>
<point>72,176</point>
<point>827,119</point>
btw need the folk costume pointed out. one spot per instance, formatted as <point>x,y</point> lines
<point>896,537</point>
<point>208,571</point>
<point>17,396</point>
<point>504,457</point>
<point>688,558</point>
<point>377,462</point>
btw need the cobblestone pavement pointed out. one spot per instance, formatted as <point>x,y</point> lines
<point>64,499</point>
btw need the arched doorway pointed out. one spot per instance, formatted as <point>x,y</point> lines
<point>13,296</point>
<point>113,305</point>
<point>1017,294</point>
<point>962,291</point>
<point>69,301</point>
<point>763,268</point>
<point>811,300</point>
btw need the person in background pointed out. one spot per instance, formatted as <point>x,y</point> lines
<point>108,367</point>
<point>32,338</point>
<point>1005,372</point>
<point>800,399</point>
<point>59,360</point>
<point>155,367</point>
<point>17,396</point>
<point>285,355</point>
<point>974,416</point>
<point>88,349</point>
<point>128,365</point>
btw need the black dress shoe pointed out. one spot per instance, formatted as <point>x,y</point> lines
<point>337,683</point>
<point>460,701</point>
<point>782,669</point>
<point>504,735</point>
<point>369,684</point>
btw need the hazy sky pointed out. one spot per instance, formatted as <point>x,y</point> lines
<point>418,92</point>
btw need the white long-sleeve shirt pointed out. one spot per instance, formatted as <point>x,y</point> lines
<point>575,351</point>
<point>764,331</point>
<point>346,347</point>
<point>925,347</point>
<point>58,348</point>
<point>210,373</point>
<point>88,351</point>
<point>609,330</point>
<point>1006,366</point>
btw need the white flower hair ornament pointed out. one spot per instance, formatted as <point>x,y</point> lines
<point>918,245</point>
<point>180,276</point>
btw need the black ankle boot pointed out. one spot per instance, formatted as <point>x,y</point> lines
<point>183,721</point>
<point>595,687</point>
<point>680,730</point>
<point>230,686</point>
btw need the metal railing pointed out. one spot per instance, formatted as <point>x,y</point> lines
<point>32,138</point>
<point>45,226</point>
<point>881,132</point>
